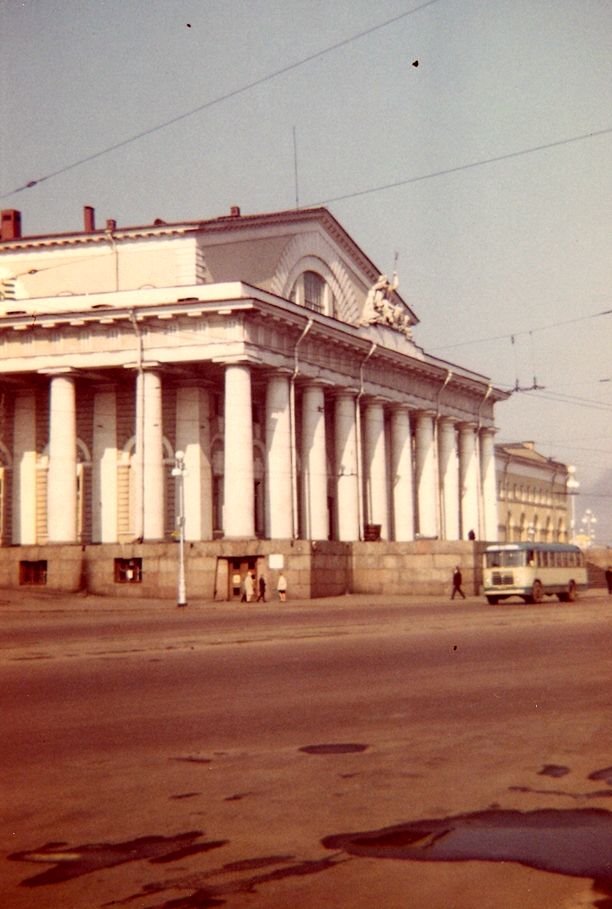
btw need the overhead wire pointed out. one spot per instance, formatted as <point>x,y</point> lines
<point>460,167</point>
<point>220,98</point>
<point>527,331</point>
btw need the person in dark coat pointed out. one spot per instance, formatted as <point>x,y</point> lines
<point>262,589</point>
<point>457,581</point>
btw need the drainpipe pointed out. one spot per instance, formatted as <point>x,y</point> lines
<point>478,467</point>
<point>440,488</point>
<point>293,454</point>
<point>139,518</point>
<point>110,227</point>
<point>358,434</point>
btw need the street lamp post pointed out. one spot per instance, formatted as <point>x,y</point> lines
<point>178,472</point>
<point>572,486</point>
<point>589,520</point>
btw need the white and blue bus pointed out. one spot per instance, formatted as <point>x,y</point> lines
<point>533,571</point>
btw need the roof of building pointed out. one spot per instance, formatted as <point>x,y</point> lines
<point>526,452</point>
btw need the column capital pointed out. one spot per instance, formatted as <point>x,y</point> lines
<point>375,401</point>
<point>399,407</point>
<point>57,371</point>
<point>346,392</point>
<point>315,382</point>
<point>149,366</point>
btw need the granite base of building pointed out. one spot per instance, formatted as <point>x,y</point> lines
<point>215,570</point>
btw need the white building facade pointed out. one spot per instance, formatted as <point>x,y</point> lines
<point>534,496</point>
<point>269,350</point>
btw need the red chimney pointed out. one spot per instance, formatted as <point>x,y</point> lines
<point>11,224</point>
<point>235,211</point>
<point>111,224</point>
<point>89,219</point>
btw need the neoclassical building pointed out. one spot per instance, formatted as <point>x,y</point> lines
<point>533,494</point>
<point>270,351</point>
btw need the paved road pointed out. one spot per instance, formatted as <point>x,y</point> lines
<point>357,752</point>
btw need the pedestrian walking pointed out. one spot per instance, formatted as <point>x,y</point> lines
<point>261,597</point>
<point>281,587</point>
<point>457,581</point>
<point>248,588</point>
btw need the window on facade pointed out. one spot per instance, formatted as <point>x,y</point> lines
<point>34,573</point>
<point>128,571</point>
<point>312,291</point>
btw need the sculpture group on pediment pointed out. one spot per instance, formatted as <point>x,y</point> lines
<point>379,308</point>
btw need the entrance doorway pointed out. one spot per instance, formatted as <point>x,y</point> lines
<point>238,567</point>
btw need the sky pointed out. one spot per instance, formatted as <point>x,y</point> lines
<point>485,171</point>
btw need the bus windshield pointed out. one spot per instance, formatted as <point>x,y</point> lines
<point>506,558</point>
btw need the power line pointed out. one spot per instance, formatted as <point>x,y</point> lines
<point>218,100</point>
<point>562,399</point>
<point>527,331</point>
<point>460,167</point>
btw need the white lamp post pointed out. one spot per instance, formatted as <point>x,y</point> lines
<point>179,472</point>
<point>589,520</point>
<point>572,486</point>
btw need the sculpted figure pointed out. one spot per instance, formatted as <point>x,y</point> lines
<point>378,307</point>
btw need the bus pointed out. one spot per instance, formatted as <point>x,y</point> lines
<point>533,571</point>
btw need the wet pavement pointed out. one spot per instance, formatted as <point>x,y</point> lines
<point>425,754</point>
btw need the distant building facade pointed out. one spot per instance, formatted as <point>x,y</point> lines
<point>532,492</point>
<point>266,348</point>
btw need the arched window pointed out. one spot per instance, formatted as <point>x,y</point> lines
<point>313,292</point>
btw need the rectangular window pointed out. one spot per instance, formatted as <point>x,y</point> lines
<point>128,571</point>
<point>34,573</point>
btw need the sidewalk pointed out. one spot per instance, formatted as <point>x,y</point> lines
<point>28,600</point>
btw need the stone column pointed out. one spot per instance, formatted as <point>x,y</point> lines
<point>345,427</point>
<point>193,438</point>
<point>401,474</point>
<point>375,458</point>
<point>24,470</point>
<point>62,481</point>
<point>468,480</point>
<point>279,479</point>
<point>315,524</point>
<point>148,518</point>
<point>239,490</point>
<point>449,479</point>
<point>426,474</point>
<point>489,485</point>
<point>104,468</point>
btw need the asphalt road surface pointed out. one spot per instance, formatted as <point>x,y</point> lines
<point>359,752</point>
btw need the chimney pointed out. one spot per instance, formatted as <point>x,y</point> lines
<point>111,224</point>
<point>89,219</point>
<point>235,211</point>
<point>11,224</point>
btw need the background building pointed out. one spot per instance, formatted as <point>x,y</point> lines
<point>534,501</point>
<point>266,349</point>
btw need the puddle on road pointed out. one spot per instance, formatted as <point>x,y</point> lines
<point>554,770</point>
<point>341,748</point>
<point>192,759</point>
<point>574,842</point>
<point>605,774</point>
<point>70,862</point>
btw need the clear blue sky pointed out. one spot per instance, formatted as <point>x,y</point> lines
<point>516,247</point>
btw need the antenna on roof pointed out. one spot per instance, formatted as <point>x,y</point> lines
<point>295,169</point>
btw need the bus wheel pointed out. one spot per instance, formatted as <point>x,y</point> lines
<point>493,601</point>
<point>571,592</point>
<point>537,592</point>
